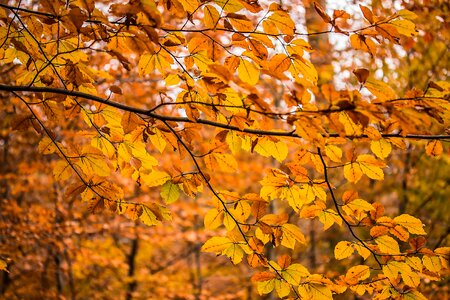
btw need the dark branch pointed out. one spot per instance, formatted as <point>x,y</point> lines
<point>12,88</point>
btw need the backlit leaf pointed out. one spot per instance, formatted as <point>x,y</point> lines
<point>387,245</point>
<point>155,178</point>
<point>343,249</point>
<point>216,244</point>
<point>248,72</point>
<point>381,148</point>
<point>412,224</point>
<point>170,192</point>
<point>356,274</point>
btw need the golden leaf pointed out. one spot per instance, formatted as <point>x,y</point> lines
<point>356,274</point>
<point>248,72</point>
<point>343,250</point>
<point>434,148</point>
<point>412,224</point>
<point>387,245</point>
<point>381,148</point>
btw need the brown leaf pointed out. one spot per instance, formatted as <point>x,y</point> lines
<point>321,11</point>
<point>115,89</point>
<point>367,13</point>
<point>362,74</point>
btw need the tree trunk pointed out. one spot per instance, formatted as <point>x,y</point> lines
<point>132,268</point>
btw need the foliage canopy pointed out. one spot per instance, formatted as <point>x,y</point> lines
<point>232,130</point>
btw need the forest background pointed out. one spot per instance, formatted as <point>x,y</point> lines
<point>226,149</point>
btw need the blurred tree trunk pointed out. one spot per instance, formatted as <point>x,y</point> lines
<point>321,58</point>
<point>132,267</point>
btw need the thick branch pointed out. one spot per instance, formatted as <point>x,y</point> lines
<point>12,88</point>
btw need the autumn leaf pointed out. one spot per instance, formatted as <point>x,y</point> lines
<point>380,90</point>
<point>387,245</point>
<point>155,178</point>
<point>248,72</point>
<point>356,274</point>
<point>381,148</point>
<point>412,224</point>
<point>216,244</point>
<point>3,265</point>
<point>434,148</point>
<point>343,249</point>
<point>170,192</point>
<point>111,110</point>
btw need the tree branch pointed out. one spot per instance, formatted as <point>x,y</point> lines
<point>12,88</point>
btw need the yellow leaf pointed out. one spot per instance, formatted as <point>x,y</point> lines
<point>216,244</point>
<point>264,238</point>
<point>172,79</point>
<point>304,68</point>
<point>327,218</point>
<point>363,251</point>
<point>434,148</point>
<point>46,146</point>
<point>371,166</point>
<point>333,152</point>
<point>359,205</point>
<point>414,295</point>
<point>222,161</point>
<point>283,22</point>
<point>387,245</point>
<point>155,178</point>
<point>351,128</point>
<point>393,268</point>
<point>93,162</point>
<point>234,252</point>
<point>158,140</point>
<point>189,5</point>
<point>248,72</point>
<point>170,192</point>
<point>62,170</point>
<point>343,250</point>
<point>213,219</point>
<point>381,148</point>
<point>294,273</point>
<point>405,27</point>
<point>407,14</point>
<point>313,291</point>
<point>282,287</point>
<point>267,147</point>
<point>148,217</point>
<point>291,234</point>
<point>231,6</point>
<point>234,142</point>
<point>359,289</point>
<point>210,16</point>
<point>356,274</point>
<point>265,287</point>
<point>412,224</point>
<point>414,262</point>
<point>149,62</point>
<point>380,90</point>
<point>138,150</point>
<point>432,263</point>
<point>240,22</point>
<point>352,172</point>
<point>293,195</point>
<point>361,42</point>
<point>104,145</point>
